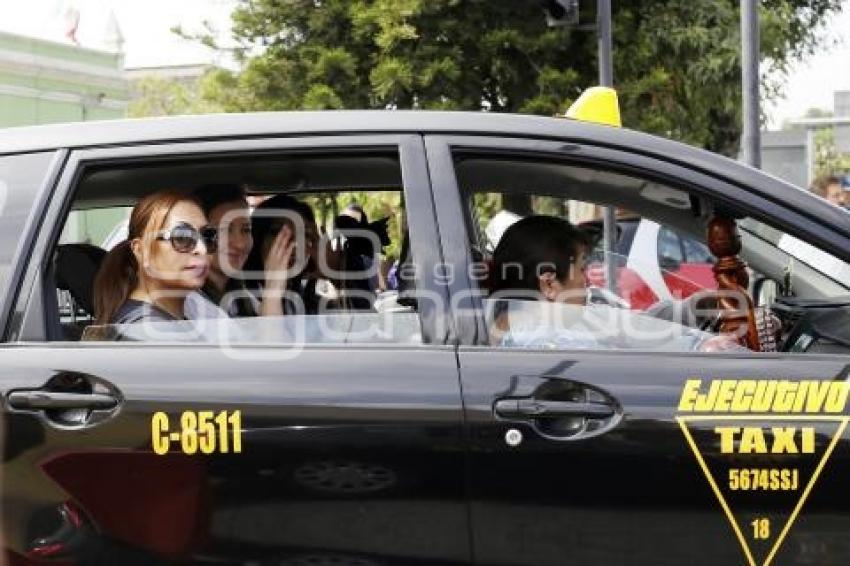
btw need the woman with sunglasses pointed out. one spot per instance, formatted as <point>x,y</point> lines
<point>164,258</point>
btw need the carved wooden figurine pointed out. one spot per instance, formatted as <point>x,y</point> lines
<point>730,271</point>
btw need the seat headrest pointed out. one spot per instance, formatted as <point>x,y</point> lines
<point>76,266</point>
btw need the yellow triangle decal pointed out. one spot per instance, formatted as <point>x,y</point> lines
<point>762,469</point>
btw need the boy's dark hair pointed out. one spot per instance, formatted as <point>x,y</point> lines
<point>532,246</point>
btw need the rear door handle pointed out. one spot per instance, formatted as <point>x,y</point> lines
<point>42,400</point>
<point>536,408</point>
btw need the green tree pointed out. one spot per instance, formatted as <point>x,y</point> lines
<point>676,67</point>
<point>828,160</point>
<point>155,96</point>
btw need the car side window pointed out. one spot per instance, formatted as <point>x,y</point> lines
<point>349,277</point>
<point>664,295</point>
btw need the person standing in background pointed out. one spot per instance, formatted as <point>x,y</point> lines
<point>829,187</point>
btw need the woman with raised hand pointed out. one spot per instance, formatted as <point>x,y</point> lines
<point>281,225</point>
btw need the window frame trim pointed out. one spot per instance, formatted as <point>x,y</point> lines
<point>32,324</point>
<point>11,291</point>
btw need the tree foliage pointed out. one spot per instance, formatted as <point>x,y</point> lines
<point>676,62</point>
<point>156,96</point>
<point>376,205</point>
<point>828,160</point>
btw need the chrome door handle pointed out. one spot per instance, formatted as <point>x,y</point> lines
<point>36,400</point>
<point>537,408</point>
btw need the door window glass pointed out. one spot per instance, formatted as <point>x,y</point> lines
<point>665,293</point>
<point>305,249</point>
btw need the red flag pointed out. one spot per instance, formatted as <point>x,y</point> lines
<point>72,22</point>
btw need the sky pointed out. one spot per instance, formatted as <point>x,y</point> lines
<point>812,81</point>
<point>145,26</point>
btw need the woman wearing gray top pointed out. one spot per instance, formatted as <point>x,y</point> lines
<point>164,258</point>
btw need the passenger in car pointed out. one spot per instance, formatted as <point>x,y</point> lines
<point>164,258</point>
<point>225,292</point>
<point>540,294</point>
<point>280,225</point>
<point>359,244</point>
<point>539,258</point>
<point>545,255</point>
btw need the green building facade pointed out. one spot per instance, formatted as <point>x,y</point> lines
<point>43,82</point>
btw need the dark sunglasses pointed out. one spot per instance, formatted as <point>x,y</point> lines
<point>184,237</point>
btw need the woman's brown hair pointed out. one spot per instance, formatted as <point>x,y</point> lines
<point>118,275</point>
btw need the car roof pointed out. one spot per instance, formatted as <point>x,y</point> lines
<point>263,124</point>
<point>343,122</point>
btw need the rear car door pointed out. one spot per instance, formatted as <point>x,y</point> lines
<point>592,456</point>
<point>335,450</point>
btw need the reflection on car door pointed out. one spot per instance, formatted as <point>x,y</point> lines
<point>334,464</point>
<point>545,491</point>
<point>346,454</point>
<point>599,457</point>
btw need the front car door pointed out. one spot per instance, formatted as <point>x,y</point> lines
<point>630,454</point>
<point>319,448</point>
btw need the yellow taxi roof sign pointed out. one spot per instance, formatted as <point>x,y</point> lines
<point>597,104</point>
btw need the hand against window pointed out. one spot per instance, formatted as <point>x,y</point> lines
<point>279,260</point>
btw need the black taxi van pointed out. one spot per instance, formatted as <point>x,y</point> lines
<point>409,435</point>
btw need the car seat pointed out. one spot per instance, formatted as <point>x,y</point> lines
<point>75,267</point>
